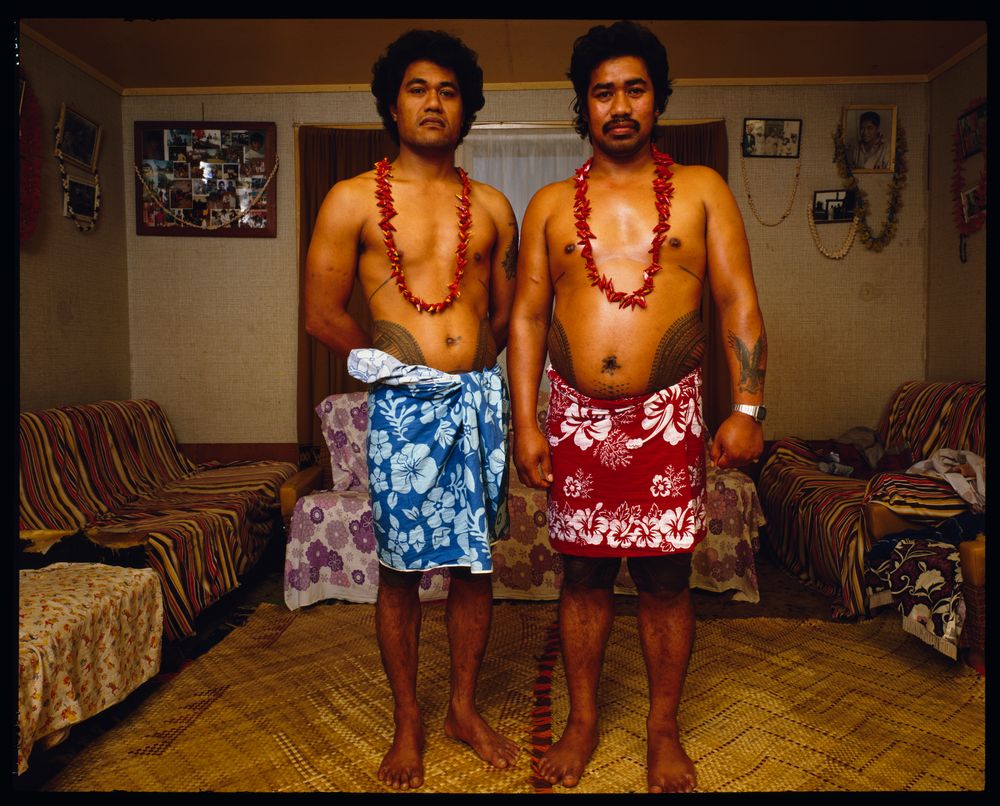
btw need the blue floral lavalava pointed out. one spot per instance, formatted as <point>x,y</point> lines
<point>437,462</point>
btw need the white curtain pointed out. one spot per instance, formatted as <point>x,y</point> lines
<point>519,161</point>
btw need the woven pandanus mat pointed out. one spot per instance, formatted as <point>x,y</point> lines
<point>298,702</point>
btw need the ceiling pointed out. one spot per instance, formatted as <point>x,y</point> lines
<point>146,56</point>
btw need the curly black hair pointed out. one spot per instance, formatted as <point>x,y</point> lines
<point>603,42</point>
<point>444,50</point>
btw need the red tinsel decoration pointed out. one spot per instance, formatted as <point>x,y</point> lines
<point>30,147</point>
<point>664,191</point>
<point>383,196</point>
<point>976,221</point>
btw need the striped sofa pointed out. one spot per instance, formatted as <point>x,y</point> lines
<point>821,526</point>
<point>106,482</point>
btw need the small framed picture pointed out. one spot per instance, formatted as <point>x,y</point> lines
<point>772,137</point>
<point>77,139</point>
<point>972,131</point>
<point>80,199</point>
<point>834,206</point>
<point>870,138</point>
<point>973,203</point>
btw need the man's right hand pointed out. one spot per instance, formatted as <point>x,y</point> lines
<point>532,458</point>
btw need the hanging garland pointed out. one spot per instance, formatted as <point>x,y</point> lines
<point>30,170</point>
<point>149,192</point>
<point>845,247</point>
<point>753,207</point>
<point>976,221</point>
<point>868,238</point>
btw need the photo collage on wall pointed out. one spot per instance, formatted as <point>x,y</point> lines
<point>212,179</point>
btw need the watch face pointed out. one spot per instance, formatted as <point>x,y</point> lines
<point>761,414</point>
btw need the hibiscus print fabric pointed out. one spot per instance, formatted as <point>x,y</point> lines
<point>629,472</point>
<point>437,462</point>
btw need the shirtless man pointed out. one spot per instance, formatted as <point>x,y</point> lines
<point>432,315</point>
<point>623,453</point>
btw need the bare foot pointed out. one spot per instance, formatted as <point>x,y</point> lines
<point>566,759</point>
<point>668,767</point>
<point>403,765</point>
<point>489,745</point>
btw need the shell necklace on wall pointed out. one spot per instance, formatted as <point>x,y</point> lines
<point>383,196</point>
<point>750,201</point>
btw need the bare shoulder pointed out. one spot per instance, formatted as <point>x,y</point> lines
<point>494,201</point>
<point>699,177</point>
<point>550,197</point>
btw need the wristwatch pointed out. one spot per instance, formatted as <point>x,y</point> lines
<point>757,412</point>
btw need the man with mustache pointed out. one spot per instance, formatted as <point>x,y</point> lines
<point>625,248</point>
<point>439,280</point>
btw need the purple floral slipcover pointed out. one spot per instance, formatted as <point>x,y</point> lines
<point>330,552</point>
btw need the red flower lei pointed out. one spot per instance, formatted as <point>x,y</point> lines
<point>383,196</point>
<point>664,191</point>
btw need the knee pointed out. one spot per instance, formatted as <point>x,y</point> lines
<point>666,577</point>
<point>590,573</point>
<point>395,581</point>
<point>464,576</point>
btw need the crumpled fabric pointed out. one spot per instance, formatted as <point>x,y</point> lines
<point>946,463</point>
<point>437,462</point>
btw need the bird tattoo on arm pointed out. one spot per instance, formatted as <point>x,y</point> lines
<point>751,372</point>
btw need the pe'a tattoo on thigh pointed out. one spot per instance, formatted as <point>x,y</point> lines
<point>680,350</point>
<point>750,361</point>
<point>397,341</point>
<point>559,352</point>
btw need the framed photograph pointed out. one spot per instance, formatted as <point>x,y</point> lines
<point>80,201</point>
<point>870,137</point>
<point>77,139</point>
<point>834,206</point>
<point>972,131</point>
<point>973,203</point>
<point>772,137</point>
<point>206,179</point>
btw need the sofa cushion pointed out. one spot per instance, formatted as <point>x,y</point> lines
<point>927,415</point>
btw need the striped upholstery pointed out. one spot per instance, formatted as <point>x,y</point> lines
<point>112,471</point>
<point>815,523</point>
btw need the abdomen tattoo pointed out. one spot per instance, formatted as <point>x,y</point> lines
<point>680,350</point>
<point>559,352</point>
<point>486,348</point>
<point>397,341</point>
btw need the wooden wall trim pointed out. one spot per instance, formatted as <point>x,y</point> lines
<point>199,452</point>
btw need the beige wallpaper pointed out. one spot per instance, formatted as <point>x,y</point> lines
<point>213,320</point>
<point>74,329</point>
<point>956,298</point>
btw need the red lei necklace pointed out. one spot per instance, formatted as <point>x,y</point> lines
<point>664,191</point>
<point>383,196</point>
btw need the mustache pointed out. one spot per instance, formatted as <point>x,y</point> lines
<point>614,123</point>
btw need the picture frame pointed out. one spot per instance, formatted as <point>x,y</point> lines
<point>973,203</point>
<point>834,206</point>
<point>871,150</point>
<point>78,139</point>
<point>206,178</point>
<point>972,131</point>
<point>772,137</point>
<point>80,199</point>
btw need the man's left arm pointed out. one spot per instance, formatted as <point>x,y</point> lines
<point>739,439</point>
<point>503,270</point>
